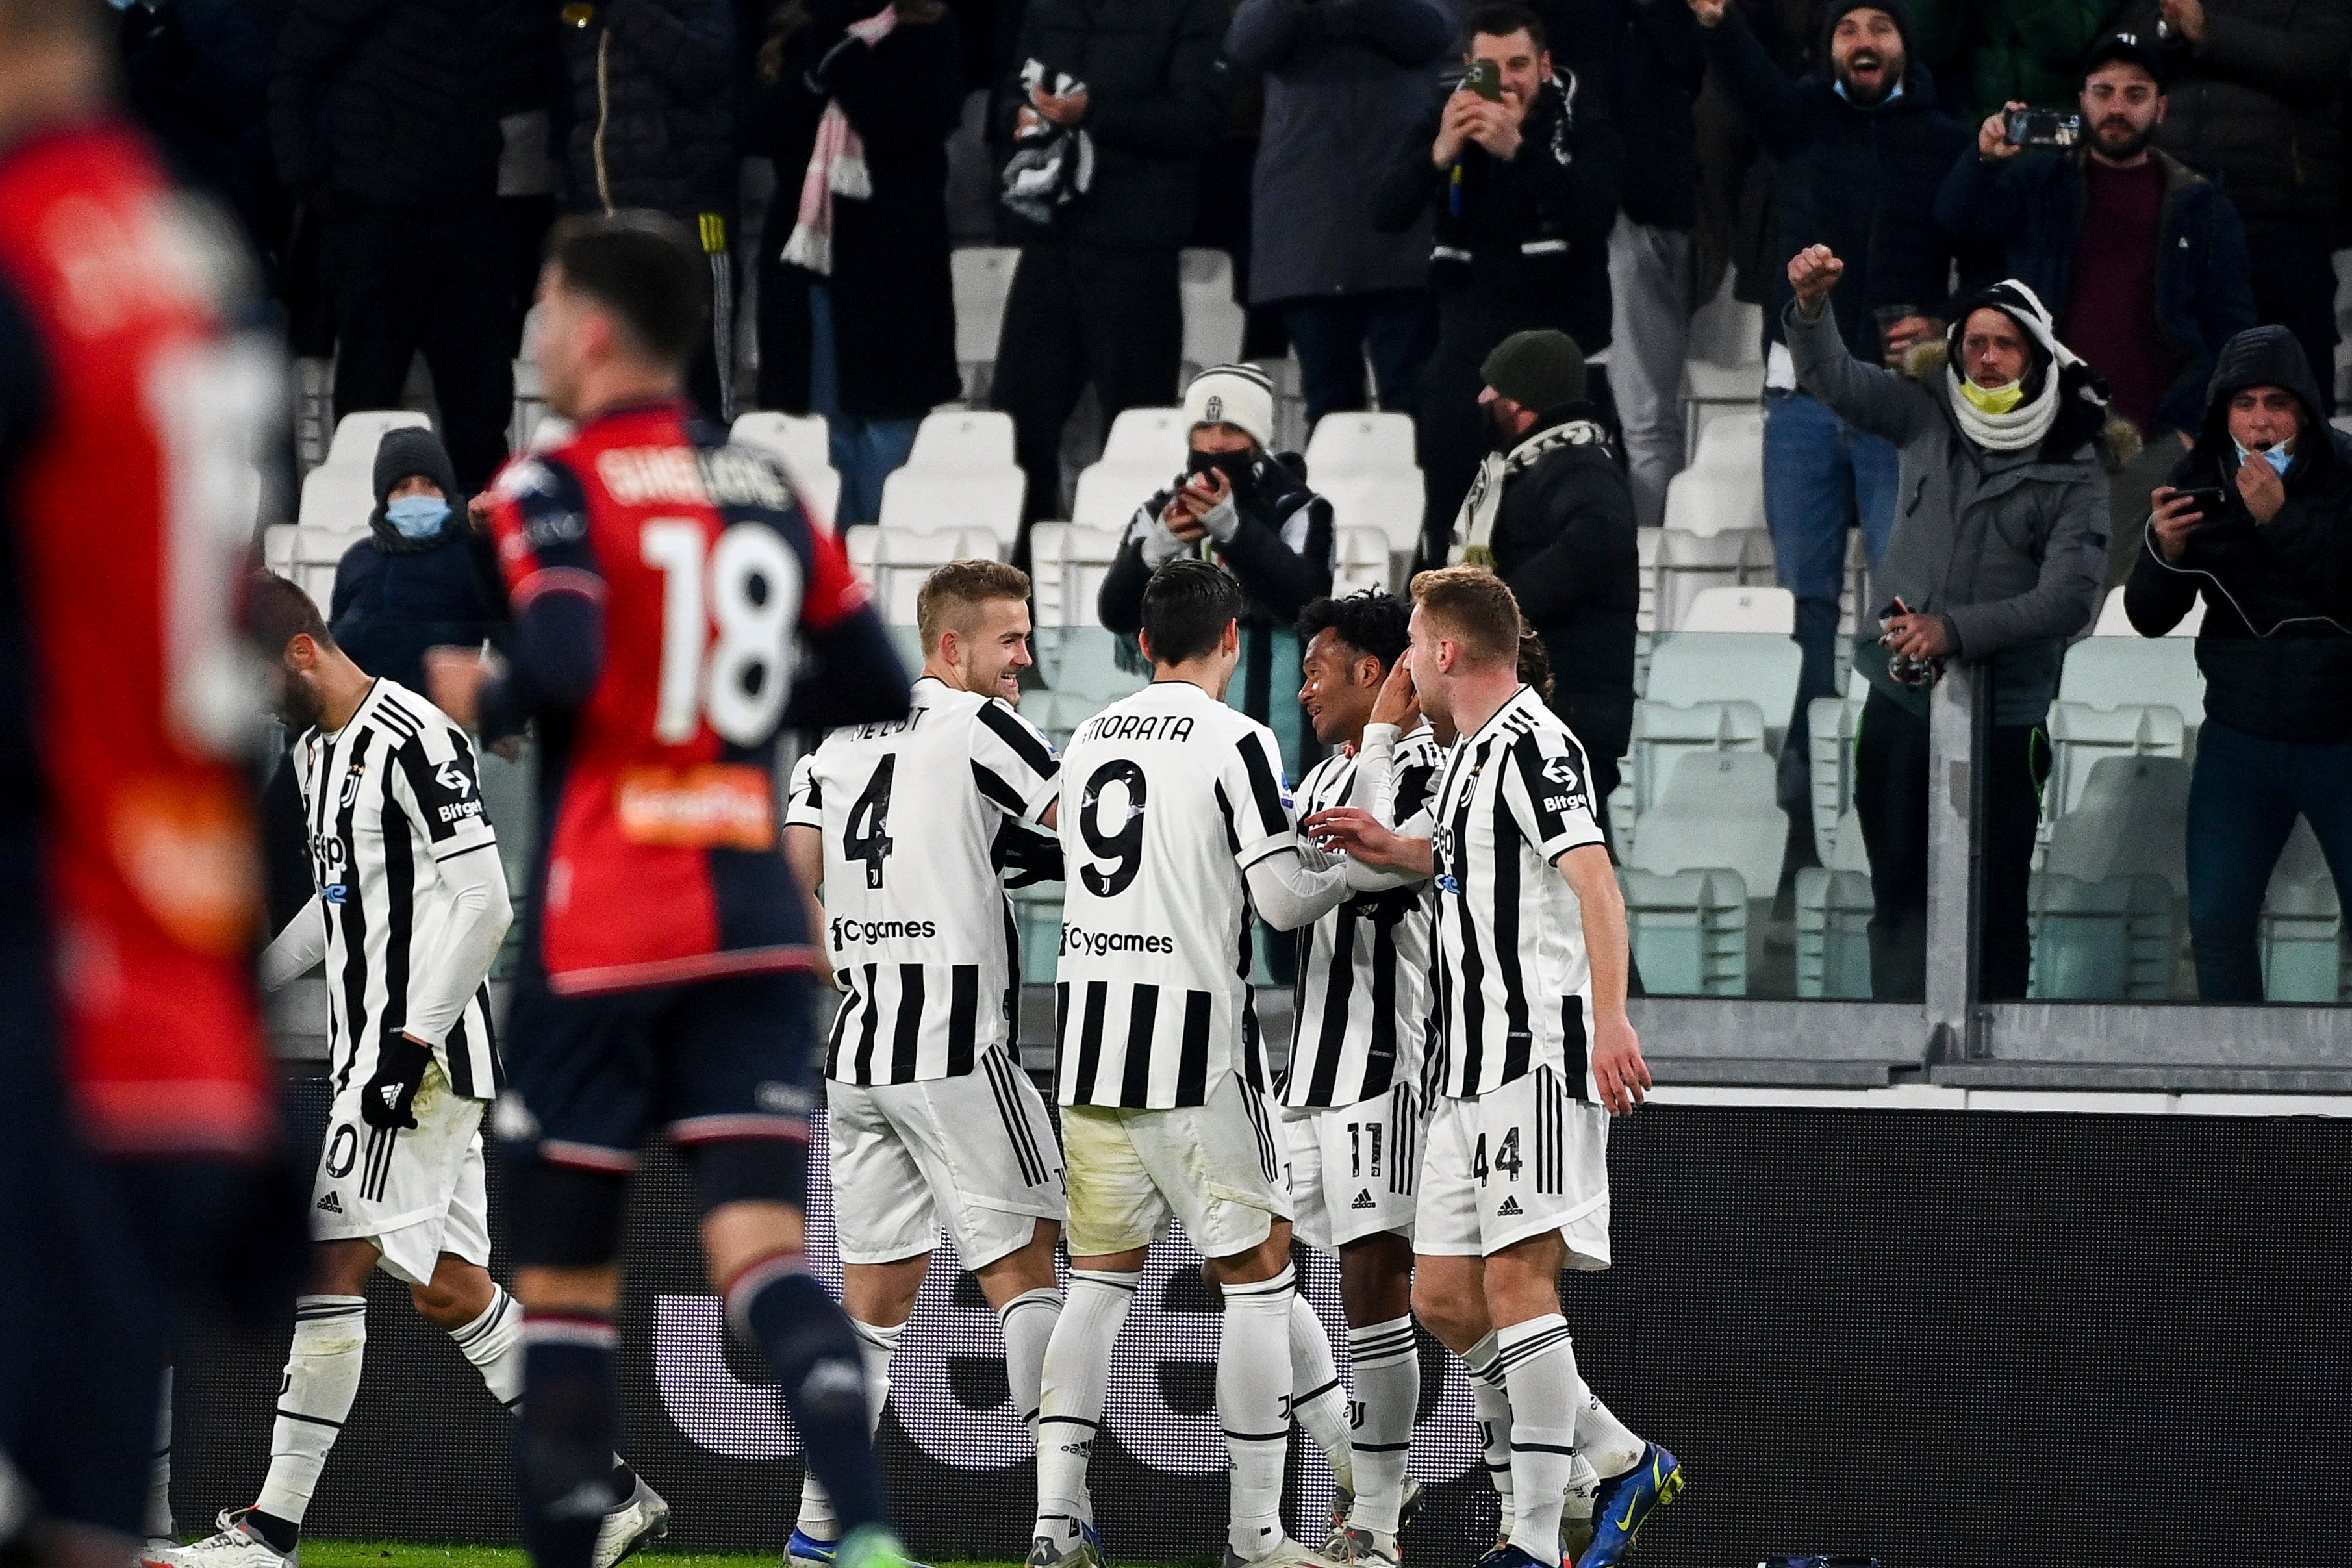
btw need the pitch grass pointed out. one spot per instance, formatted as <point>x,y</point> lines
<point>409,1555</point>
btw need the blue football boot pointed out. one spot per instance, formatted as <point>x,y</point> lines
<point>1625,1504</point>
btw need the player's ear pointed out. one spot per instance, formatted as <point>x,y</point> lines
<point>1144,642</point>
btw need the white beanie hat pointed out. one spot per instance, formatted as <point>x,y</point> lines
<point>1235,395</point>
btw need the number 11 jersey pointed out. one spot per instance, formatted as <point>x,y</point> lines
<point>918,925</point>
<point>1169,797</point>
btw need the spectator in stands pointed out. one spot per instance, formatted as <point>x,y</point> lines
<point>1861,155</point>
<point>2275,645</point>
<point>1345,81</point>
<point>654,127</point>
<point>1110,110</point>
<point>422,576</point>
<point>385,120</point>
<point>1550,511</point>
<point>1996,560</point>
<point>196,73</point>
<point>2141,256</point>
<point>1238,502</point>
<point>2032,52</point>
<point>1524,188</point>
<point>2257,96</point>
<point>857,307</point>
<point>1652,285</point>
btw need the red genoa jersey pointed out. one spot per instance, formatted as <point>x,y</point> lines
<point>662,580</point>
<point>136,412</point>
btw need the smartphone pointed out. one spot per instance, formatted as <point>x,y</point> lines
<point>2044,128</point>
<point>2212,502</point>
<point>1484,78</point>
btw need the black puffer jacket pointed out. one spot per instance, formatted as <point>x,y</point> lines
<point>1280,553</point>
<point>1861,181</point>
<point>2259,102</point>
<point>393,106</point>
<point>1564,541</point>
<point>1529,235</point>
<point>1662,66</point>
<point>2276,645</point>
<point>659,132</point>
<point>1156,87</point>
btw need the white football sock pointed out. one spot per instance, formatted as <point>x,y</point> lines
<point>1071,1380</point>
<point>1253,1375</point>
<point>493,1342</point>
<point>1492,1402</point>
<point>1386,1366</point>
<point>876,1345</point>
<point>1028,1320</point>
<point>1539,1365</point>
<point>1583,1491</point>
<point>1319,1400</point>
<point>159,1472</point>
<point>1611,1445</point>
<point>323,1375</point>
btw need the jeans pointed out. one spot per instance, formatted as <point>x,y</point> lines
<point>1821,477</point>
<point>865,451</point>
<point>1650,296</point>
<point>2243,801</point>
<point>1334,333</point>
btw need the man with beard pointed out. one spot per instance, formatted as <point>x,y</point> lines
<point>2146,259</point>
<point>1860,156</point>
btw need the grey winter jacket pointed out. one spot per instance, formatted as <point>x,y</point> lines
<point>2009,549</point>
<point>1345,81</point>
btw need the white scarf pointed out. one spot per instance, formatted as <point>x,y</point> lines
<point>836,165</point>
<point>1473,526</point>
<point>2025,425</point>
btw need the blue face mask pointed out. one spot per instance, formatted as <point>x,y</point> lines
<point>417,517</point>
<point>2278,458</point>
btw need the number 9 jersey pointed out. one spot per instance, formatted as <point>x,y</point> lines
<point>662,584</point>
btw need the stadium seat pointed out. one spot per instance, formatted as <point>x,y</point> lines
<point>510,800</point>
<point>336,501</point>
<point>1712,392</point>
<point>1664,734</point>
<point>1067,561</point>
<point>1711,501</point>
<point>2131,821</point>
<point>2100,941</point>
<point>1359,443</point>
<point>1086,668</point>
<point>1718,813</point>
<point>1107,494</point>
<point>1389,503</point>
<point>859,541</point>
<point>2305,958</point>
<point>1214,321</point>
<point>964,440</point>
<point>2083,739</point>
<point>1732,444</point>
<point>278,548</point>
<point>1361,560</point>
<point>2108,672</point>
<point>358,435</point>
<point>2114,623</point>
<point>1832,725</point>
<point>1150,438</point>
<point>804,446</point>
<point>1037,915</point>
<point>981,277</point>
<point>1689,931</point>
<point>1686,563</point>
<point>1768,610</point>
<point>1834,910</point>
<point>552,431</point>
<point>919,500</point>
<point>1645,549</point>
<point>1725,666</point>
<point>904,557</point>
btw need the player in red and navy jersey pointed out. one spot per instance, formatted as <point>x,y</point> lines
<point>675,606</point>
<point>137,1098</point>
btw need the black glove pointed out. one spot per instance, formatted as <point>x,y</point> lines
<point>1031,855</point>
<point>388,1101</point>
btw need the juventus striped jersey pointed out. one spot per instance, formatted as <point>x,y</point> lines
<point>918,925</point>
<point>388,799</point>
<point>1362,998</point>
<point>1512,985</point>
<point>1168,798</point>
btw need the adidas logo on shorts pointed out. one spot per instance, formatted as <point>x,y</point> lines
<point>331,1204</point>
<point>1364,1200</point>
<point>1510,1207</point>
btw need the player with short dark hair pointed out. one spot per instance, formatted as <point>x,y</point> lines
<point>1175,826</point>
<point>1534,1052</point>
<point>907,827</point>
<point>675,608</point>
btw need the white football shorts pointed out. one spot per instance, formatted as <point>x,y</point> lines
<point>416,1193</point>
<point>973,1154</point>
<point>1502,1167</point>
<point>1353,1170</point>
<point>1214,1168</point>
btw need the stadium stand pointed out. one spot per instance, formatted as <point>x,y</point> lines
<point>1213,321</point>
<point>983,280</point>
<point>804,444</point>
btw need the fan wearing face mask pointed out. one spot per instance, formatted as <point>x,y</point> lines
<point>422,575</point>
<point>1240,503</point>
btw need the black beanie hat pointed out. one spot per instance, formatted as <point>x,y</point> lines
<point>1539,369</point>
<point>407,453</point>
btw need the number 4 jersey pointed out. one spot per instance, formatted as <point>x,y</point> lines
<point>916,817</point>
<point>662,583</point>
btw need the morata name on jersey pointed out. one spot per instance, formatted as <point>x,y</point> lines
<point>1136,727</point>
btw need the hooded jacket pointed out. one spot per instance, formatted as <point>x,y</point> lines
<point>396,596</point>
<point>1527,237</point>
<point>2276,643</point>
<point>1280,551</point>
<point>2010,548</point>
<point>1861,181</point>
<point>2032,207</point>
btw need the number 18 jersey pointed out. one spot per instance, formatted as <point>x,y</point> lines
<point>918,925</point>
<point>1168,798</point>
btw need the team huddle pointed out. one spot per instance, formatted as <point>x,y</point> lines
<point>1441,1124</point>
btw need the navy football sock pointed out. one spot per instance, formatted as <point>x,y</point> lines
<point>812,1351</point>
<point>563,1444</point>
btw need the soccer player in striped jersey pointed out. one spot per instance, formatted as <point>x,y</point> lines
<point>1534,1052</point>
<point>1175,826</point>
<point>412,905</point>
<point>907,827</point>
<point>1349,1098</point>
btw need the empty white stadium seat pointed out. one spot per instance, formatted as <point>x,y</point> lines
<point>1712,392</point>
<point>1665,733</point>
<point>1086,668</point>
<point>2114,623</point>
<point>1718,813</point>
<point>1719,667</point>
<point>2083,739</point>
<point>1832,725</point>
<point>2105,940</point>
<point>1067,561</point>
<point>964,438</point>
<point>804,444</point>
<point>1711,501</point>
<point>1214,321</point>
<point>357,435</point>
<point>1108,493</point>
<point>1687,563</point>
<point>1732,444</point>
<point>278,548</point>
<point>859,541</point>
<point>903,558</point>
<point>2305,958</point>
<point>1389,504</point>
<point>337,498</point>
<point>1645,550</point>
<point>2131,821</point>
<point>1768,610</point>
<point>2108,672</point>
<point>1833,908</point>
<point>1361,560</point>
<point>1689,931</point>
<point>926,500</point>
<point>983,279</point>
<point>1352,442</point>
<point>1150,438</point>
